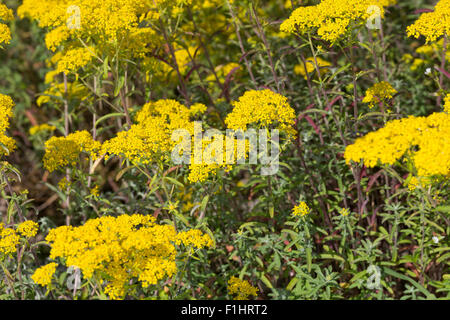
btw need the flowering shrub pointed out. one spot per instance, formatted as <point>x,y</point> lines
<point>220,149</point>
<point>120,249</point>
<point>387,145</point>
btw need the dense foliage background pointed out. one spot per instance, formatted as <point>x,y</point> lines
<point>367,232</point>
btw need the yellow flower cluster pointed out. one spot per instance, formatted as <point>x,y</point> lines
<point>433,51</point>
<point>6,14</point>
<point>197,108</point>
<point>416,64</point>
<point>431,48</point>
<point>120,249</point>
<point>183,57</point>
<point>28,228</point>
<point>413,183</point>
<point>41,128</point>
<point>56,92</point>
<point>165,72</point>
<point>43,275</point>
<point>311,67</point>
<point>301,209</point>
<point>447,103</point>
<point>223,71</point>
<point>387,145</point>
<point>212,18</point>
<point>379,92</point>
<point>9,239</point>
<point>194,238</point>
<point>258,108</point>
<point>432,25</point>
<point>73,59</point>
<point>264,109</point>
<point>331,18</point>
<point>201,172</point>
<point>63,184</point>
<point>7,144</point>
<point>242,289</point>
<point>65,151</point>
<point>150,138</point>
<point>344,212</point>
<point>95,191</point>
<point>210,161</point>
<point>105,24</point>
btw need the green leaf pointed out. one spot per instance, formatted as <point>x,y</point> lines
<point>204,203</point>
<point>119,86</point>
<point>445,208</point>
<point>443,258</point>
<point>266,281</point>
<point>174,181</point>
<point>10,210</point>
<point>291,284</point>
<point>332,256</point>
<point>340,70</point>
<point>413,282</point>
<point>309,258</point>
<point>121,173</point>
<point>110,115</point>
<point>105,68</point>
<point>182,218</point>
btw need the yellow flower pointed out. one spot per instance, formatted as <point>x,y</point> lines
<point>94,191</point>
<point>109,22</point>
<point>57,91</point>
<point>379,92</point>
<point>57,36</point>
<point>264,109</point>
<point>172,206</point>
<point>407,58</point>
<point>73,59</point>
<point>413,183</point>
<point>63,184</point>
<point>28,228</point>
<point>6,14</point>
<point>7,144</point>
<point>121,249</point>
<point>287,4</point>
<point>41,128</point>
<point>9,240</point>
<point>201,172</point>
<point>222,72</point>
<point>150,138</point>
<point>5,34</point>
<point>311,67</point>
<point>432,25</point>
<point>301,209</point>
<point>447,103</point>
<point>43,275</point>
<point>242,289</point>
<point>182,57</point>
<point>416,64</point>
<point>64,151</point>
<point>387,145</point>
<point>344,212</point>
<point>425,50</point>
<point>195,238</point>
<point>330,19</point>
<point>197,108</point>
